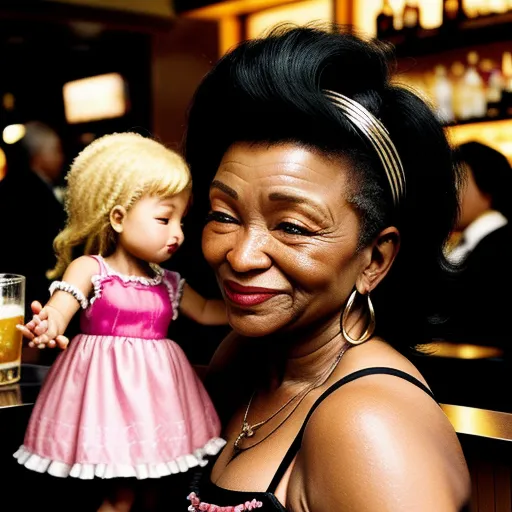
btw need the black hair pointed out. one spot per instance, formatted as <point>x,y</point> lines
<point>492,173</point>
<point>269,90</point>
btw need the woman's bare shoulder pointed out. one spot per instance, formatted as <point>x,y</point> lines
<point>382,443</point>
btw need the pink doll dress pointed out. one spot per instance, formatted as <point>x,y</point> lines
<point>122,400</point>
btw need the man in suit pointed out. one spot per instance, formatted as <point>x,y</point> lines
<point>477,302</point>
<point>31,209</point>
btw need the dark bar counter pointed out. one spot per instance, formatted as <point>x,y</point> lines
<point>472,384</point>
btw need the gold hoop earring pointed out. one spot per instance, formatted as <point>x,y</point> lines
<point>371,324</point>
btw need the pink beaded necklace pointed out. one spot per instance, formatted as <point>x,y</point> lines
<point>196,505</point>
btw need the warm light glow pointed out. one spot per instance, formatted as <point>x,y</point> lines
<point>13,133</point>
<point>479,422</point>
<point>298,13</point>
<point>3,164</point>
<point>475,8</point>
<point>94,98</point>
<point>8,101</point>
<point>162,8</point>
<point>497,134</point>
<point>462,350</point>
<point>233,8</point>
<point>229,33</point>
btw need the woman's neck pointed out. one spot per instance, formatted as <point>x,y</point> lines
<point>304,358</point>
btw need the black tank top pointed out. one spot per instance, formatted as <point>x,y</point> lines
<point>207,492</point>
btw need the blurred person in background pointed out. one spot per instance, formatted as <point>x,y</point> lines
<point>31,209</point>
<point>474,307</point>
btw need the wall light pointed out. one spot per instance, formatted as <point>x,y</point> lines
<point>95,98</point>
<point>13,133</point>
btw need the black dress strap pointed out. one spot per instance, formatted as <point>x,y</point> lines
<point>295,446</point>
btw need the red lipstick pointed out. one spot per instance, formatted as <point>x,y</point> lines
<point>171,249</point>
<point>247,295</point>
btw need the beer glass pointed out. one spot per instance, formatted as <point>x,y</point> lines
<point>12,312</point>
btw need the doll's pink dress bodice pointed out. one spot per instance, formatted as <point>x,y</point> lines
<point>133,307</point>
<point>122,400</point>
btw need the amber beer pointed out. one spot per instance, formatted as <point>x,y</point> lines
<point>12,306</point>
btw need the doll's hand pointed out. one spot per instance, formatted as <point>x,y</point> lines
<point>43,330</point>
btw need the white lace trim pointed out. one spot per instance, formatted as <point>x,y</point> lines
<point>175,290</point>
<point>177,298</point>
<point>72,290</point>
<point>96,283</point>
<point>150,281</point>
<point>141,471</point>
<point>97,279</point>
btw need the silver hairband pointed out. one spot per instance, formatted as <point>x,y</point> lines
<point>379,137</point>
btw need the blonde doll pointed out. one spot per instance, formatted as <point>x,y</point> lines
<point>122,400</point>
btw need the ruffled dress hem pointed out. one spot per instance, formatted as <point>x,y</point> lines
<point>86,471</point>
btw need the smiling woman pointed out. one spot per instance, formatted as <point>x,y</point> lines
<point>328,184</point>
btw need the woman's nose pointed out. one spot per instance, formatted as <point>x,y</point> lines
<point>249,252</point>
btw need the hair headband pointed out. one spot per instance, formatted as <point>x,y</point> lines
<point>379,137</point>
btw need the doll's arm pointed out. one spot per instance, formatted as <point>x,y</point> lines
<point>201,310</point>
<point>48,324</point>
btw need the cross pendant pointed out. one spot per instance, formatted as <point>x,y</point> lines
<point>247,431</point>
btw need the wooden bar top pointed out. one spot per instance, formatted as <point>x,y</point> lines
<point>479,422</point>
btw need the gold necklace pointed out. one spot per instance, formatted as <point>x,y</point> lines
<point>249,430</point>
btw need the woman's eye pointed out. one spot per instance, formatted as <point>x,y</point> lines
<point>163,220</point>
<point>222,217</point>
<point>293,229</point>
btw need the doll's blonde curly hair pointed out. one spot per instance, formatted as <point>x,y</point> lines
<point>116,169</point>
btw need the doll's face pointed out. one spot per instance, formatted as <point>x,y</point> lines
<point>151,229</point>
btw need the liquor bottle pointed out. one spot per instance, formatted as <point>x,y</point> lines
<point>494,91</point>
<point>443,95</point>
<point>385,21</point>
<point>497,6</point>
<point>473,90</point>
<point>453,14</point>
<point>457,72</point>
<point>506,95</point>
<point>484,8</point>
<point>411,18</point>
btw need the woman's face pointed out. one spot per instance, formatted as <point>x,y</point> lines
<point>281,238</point>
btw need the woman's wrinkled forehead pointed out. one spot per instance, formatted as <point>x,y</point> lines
<point>283,177</point>
<point>283,165</point>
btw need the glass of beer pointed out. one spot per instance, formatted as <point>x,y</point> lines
<point>12,312</point>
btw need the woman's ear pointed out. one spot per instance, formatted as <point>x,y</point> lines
<point>383,252</point>
<point>117,216</point>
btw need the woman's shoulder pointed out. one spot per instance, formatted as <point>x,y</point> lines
<point>387,440</point>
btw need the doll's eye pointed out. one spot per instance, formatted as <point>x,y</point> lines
<point>163,220</point>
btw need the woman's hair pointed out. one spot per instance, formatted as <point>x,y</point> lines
<point>492,173</point>
<point>270,91</point>
<point>116,169</point>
